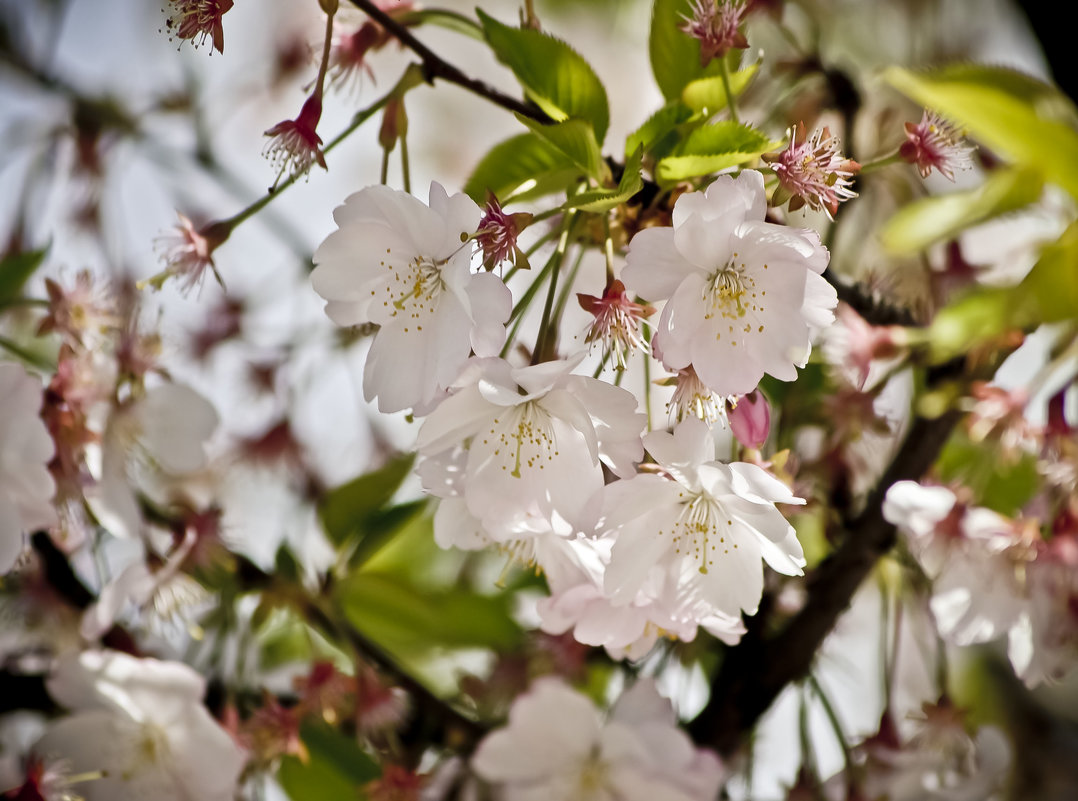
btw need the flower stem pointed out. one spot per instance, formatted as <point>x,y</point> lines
<point>730,102</point>
<point>544,341</point>
<point>883,161</point>
<point>324,65</point>
<point>406,172</point>
<point>360,117</point>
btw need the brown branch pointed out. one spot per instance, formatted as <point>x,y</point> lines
<point>756,671</point>
<point>435,67</point>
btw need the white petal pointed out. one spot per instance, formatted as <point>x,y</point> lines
<point>653,266</point>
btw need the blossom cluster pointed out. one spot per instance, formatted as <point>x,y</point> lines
<point>519,455</point>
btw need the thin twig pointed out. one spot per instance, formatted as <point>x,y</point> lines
<point>435,67</point>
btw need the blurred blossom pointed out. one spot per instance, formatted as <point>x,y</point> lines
<point>141,723</point>
<point>197,21</point>
<point>26,487</point>
<point>83,313</point>
<point>187,253</point>
<point>812,172</point>
<point>557,745</point>
<point>934,143</point>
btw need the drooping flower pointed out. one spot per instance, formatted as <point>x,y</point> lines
<point>617,322</point>
<point>348,54</point>
<point>557,745</point>
<point>26,487</point>
<point>46,781</point>
<point>692,399</point>
<point>403,265</point>
<point>716,25</point>
<point>718,519</point>
<point>295,145</point>
<point>537,435</point>
<point>187,253</point>
<point>812,172</point>
<point>934,143</point>
<point>497,235</point>
<point>744,295</point>
<point>141,723</point>
<point>197,21</point>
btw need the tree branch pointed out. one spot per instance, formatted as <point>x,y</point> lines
<point>757,669</point>
<point>435,67</point>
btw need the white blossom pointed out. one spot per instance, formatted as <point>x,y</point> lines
<point>718,519</point>
<point>558,746</point>
<point>743,296</point>
<point>26,486</point>
<point>406,267</point>
<point>534,438</point>
<point>141,723</point>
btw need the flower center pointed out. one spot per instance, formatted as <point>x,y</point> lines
<point>592,780</point>
<point>523,438</point>
<point>730,292</point>
<point>700,530</point>
<point>413,289</point>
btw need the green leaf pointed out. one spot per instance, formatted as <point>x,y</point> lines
<point>443,18</point>
<point>381,526</point>
<point>16,269</point>
<point>675,56</point>
<point>657,128</point>
<point>1048,294</point>
<point>708,95</point>
<point>345,508</point>
<point>934,219</point>
<point>1001,482</point>
<point>576,140</point>
<point>599,200</point>
<point>409,619</point>
<point>1020,118</point>
<point>711,148</point>
<point>526,166</point>
<point>334,770</point>
<point>554,76</point>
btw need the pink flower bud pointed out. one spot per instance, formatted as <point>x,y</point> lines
<point>750,419</point>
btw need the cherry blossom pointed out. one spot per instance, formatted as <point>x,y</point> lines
<point>198,20</point>
<point>557,745</point>
<point>295,145</point>
<point>187,253</point>
<point>716,25</point>
<point>933,143</point>
<point>141,723</point>
<point>718,519</point>
<point>405,266</point>
<point>812,172</point>
<point>497,235</point>
<point>26,487</point>
<point>617,322</point>
<point>744,296</point>
<point>537,435</point>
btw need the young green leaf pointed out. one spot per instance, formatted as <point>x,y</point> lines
<point>708,95</point>
<point>413,620</point>
<point>576,140</point>
<point>675,56</point>
<point>599,200</point>
<point>1018,117</point>
<point>711,148</point>
<point>345,508</point>
<point>933,219</point>
<point>523,167</point>
<point>16,269</point>
<point>554,76</point>
<point>657,128</point>
<point>334,769</point>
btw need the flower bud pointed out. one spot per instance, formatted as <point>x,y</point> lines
<point>750,419</point>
